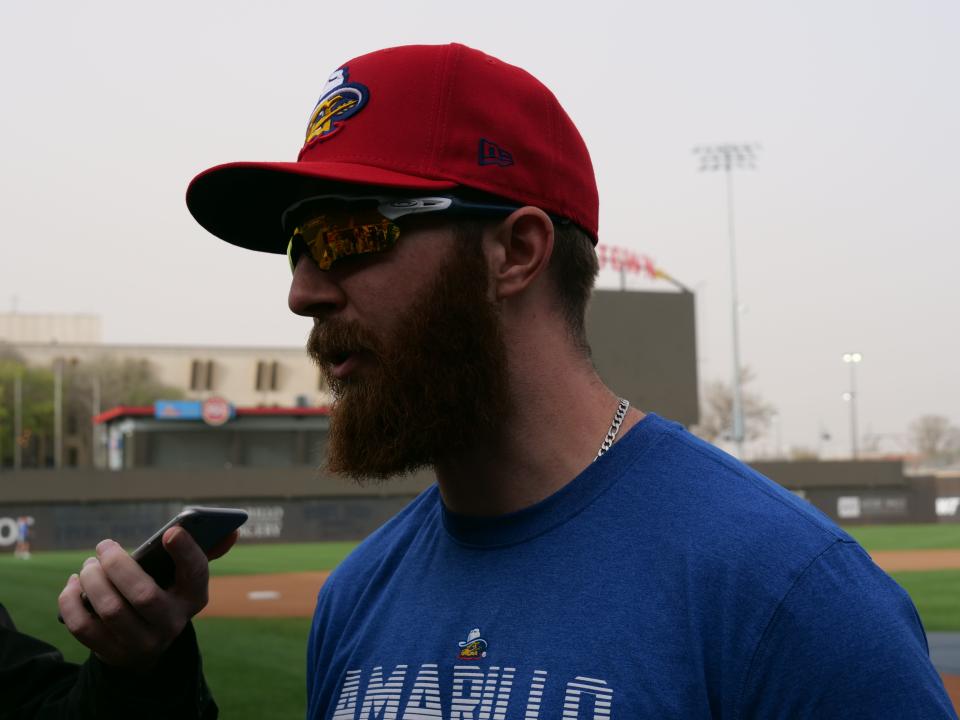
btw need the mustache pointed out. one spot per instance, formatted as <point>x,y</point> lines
<point>332,340</point>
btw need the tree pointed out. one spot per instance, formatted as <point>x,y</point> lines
<point>114,383</point>
<point>127,382</point>
<point>36,410</point>
<point>716,416</point>
<point>935,439</point>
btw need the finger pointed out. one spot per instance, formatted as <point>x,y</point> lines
<point>82,625</point>
<point>83,599</point>
<point>137,588</point>
<point>109,604</point>
<point>134,639</point>
<point>192,571</point>
<point>71,599</point>
<point>223,547</point>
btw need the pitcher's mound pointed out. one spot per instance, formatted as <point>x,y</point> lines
<point>274,595</point>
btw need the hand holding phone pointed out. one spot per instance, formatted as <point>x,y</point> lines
<point>134,621</point>
<point>207,526</point>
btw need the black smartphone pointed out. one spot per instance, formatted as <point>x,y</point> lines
<point>208,526</point>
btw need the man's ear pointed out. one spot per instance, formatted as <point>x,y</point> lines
<point>523,244</point>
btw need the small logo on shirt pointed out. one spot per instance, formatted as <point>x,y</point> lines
<point>474,648</point>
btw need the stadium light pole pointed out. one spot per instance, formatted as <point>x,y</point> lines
<point>729,157</point>
<point>17,420</point>
<point>852,359</point>
<point>58,413</point>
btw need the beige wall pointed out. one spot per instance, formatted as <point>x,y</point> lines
<point>643,347</point>
<point>33,328</point>
<point>234,369</point>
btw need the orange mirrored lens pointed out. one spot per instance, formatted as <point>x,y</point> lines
<point>330,237</point>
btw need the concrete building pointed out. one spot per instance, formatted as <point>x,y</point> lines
<point>178,435</point>
<point>261,376</point>
<point>264,376</point>
<point>17,328</point>
<point>643,344</point>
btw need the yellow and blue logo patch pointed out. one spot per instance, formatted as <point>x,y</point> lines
<point>474,648</point>
<point>338,101</point>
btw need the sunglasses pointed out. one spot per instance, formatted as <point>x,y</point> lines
<point>331,227</point>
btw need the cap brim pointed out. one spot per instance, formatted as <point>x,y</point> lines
<point>242,202</point>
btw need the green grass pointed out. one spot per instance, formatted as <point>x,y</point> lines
<point>907,537</point>
<point>256,668</point>
<point>29,590</point>
<point>287,557</point>
<point>936,593</point>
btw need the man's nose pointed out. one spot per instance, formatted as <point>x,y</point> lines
<point>314,292</point>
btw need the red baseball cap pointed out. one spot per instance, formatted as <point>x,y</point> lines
<point>417,117</point>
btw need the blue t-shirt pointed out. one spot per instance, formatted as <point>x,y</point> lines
<point>667,580</point>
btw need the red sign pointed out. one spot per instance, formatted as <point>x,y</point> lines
<point>216,411</point>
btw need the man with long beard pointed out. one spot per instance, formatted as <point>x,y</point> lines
<point>576,557</point>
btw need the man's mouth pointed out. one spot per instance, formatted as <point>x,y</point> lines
<point>342,362</point>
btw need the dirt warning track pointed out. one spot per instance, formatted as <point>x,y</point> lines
<point>907,560</point>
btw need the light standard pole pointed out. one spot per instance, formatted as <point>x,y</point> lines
<point>728,157</point>
<point>852,359</point>
<point>58,413</point>
<point>17,420</point>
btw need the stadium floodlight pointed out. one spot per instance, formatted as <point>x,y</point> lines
<point>852,359</point>
<point>729,157</point>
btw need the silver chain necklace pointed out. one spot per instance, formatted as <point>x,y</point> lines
<point>614,428</point>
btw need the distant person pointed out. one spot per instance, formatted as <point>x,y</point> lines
<point>22,548</point>
<point>577,557</point>
<point>145,661</point>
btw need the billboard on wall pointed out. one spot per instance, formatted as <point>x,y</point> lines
<point>644,348</point>
<point>70,526</point>
<point>177,409</point>
<point>213,411</point>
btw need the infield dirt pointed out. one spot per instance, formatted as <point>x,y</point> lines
<point>295,594</point>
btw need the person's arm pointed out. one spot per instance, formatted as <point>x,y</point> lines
<point>845,642</point>
<point>142,642</point>
<point>34,678</point>
<point>134,620</point>
<point>36,683</point>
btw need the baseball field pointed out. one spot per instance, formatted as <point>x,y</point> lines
<point>253,635</point>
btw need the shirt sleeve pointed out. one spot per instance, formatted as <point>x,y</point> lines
<point>37,683</point>
<point>845,642</point>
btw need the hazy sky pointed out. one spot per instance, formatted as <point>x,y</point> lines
<point>847,231</point>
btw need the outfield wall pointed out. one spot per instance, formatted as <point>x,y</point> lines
<point>82,526</point>
<point>862,492</point>
<point>74,509</point>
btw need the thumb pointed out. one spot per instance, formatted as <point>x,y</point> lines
<point>223,547</point>
<point>192,571</point>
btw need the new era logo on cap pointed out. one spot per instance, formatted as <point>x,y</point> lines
<point>493,154</point>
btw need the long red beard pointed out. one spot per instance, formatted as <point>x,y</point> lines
<point>437,387</point>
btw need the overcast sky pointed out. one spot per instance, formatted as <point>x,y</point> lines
<point>847,230</point>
